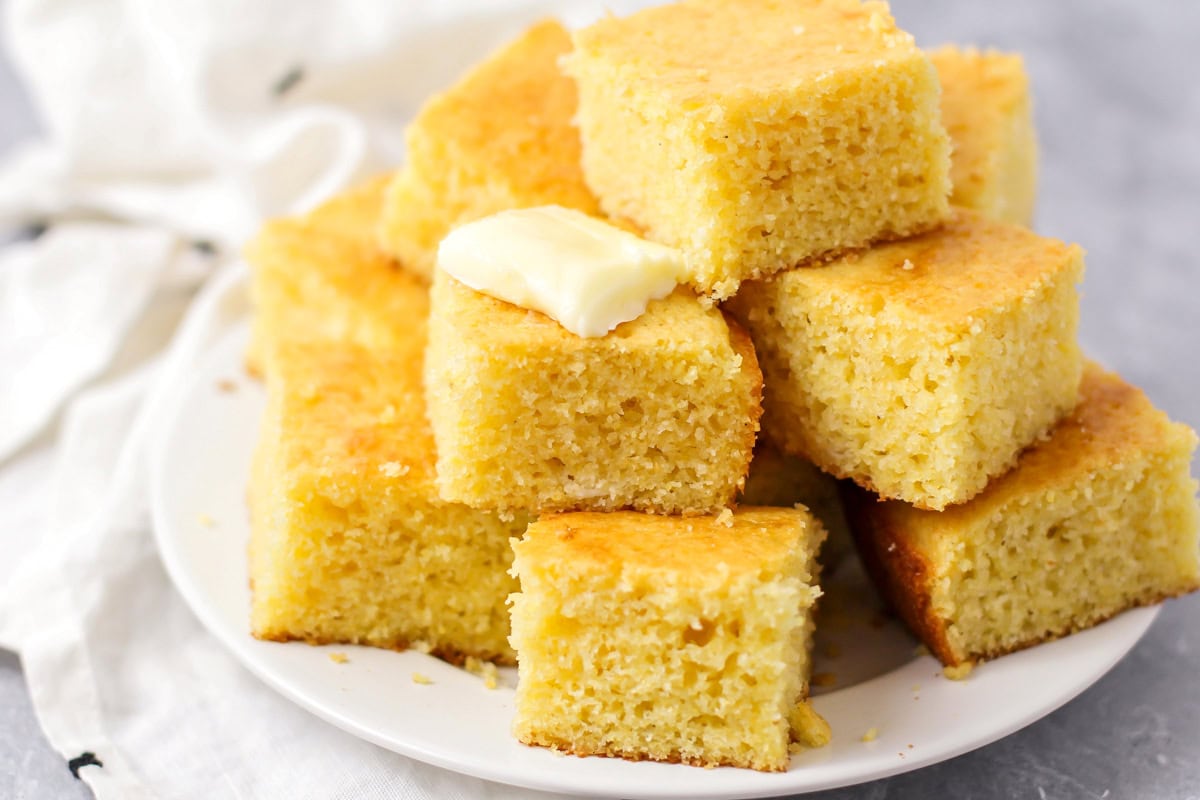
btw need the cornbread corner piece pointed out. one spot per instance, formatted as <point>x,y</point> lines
<point>757,135</point>
<point>779,480</point>
<point>659,415</point>
<point>1099,518</point>
<point>350,542</point>
<point>321,276</point>
<point>666,638</point>
<point>987,111</point>
<point>501,138</point>
<point>921,368</point>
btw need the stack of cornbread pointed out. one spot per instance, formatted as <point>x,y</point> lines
<point>858,300</point>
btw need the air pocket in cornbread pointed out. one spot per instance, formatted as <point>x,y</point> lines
<point>665,638</point>
<point>920,368</point>
<point>658,415</point>
<point>756,135</point>
<point>500,138</point>
<point>350,541</point>
<point>987,111</point>
<point>1097,519</point>
<point>321,277</point>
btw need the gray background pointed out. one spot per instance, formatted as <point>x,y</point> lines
<point>1118,113</point>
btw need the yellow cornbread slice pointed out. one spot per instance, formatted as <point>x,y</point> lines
<point>1099,518</point>
<point>756,134</point>
<point>350,541</point>
<point>665,638</point>
<point>659,415</point>
<point>779,480</point>
<point>987,111</point>
<point>501,138</point>
<point>920,368</point>
<point>321,277</point>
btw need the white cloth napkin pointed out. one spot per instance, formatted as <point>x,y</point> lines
<point>172,129</point>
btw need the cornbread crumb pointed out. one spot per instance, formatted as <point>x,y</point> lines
<point>483,669</point>
<point>660,415</point>
<point>339,658</point>
<point>808,728</point>
<point>500,138</point>
<point>988,112</point>
<point>725,517</point>
<point>1108,497</point>
<point>958,672</point>
<point>908,265</point>
<point>920,651</point>
<point>652,637</point>
<point>422,679</point>
<point>787,150</point>
<point>920,385</point>
<point>206,521</point>
<point>871,735</point>
<point>226,386</point>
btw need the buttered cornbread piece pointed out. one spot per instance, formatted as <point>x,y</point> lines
<point>321,277</point>
<point>350,541</point>
<point>756,135</point>
<point>1099,518</point>
<point>987,111</point>
<point>920,368</point>
<point>501,138</point>
<point>665,638</point>
<point>659,415</point>
<point>780,480</point>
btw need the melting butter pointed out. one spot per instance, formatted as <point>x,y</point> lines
<point>588,275</point>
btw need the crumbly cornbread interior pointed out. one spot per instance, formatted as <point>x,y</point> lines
<point>819,132</point>
<point>660,415</point>
<point>920,368</point>
<point>618,611</point>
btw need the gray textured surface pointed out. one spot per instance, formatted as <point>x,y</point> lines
<point>1119,118</point>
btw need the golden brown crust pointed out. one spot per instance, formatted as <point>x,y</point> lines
<point>451,655</point>
<point>898,570</point>
<point>675,757</point>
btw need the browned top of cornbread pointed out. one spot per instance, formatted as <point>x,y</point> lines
<point>684,47</point>
<point>969,265</point>
<point>981,91</point>
<point>354,213</point>
<point>678,320</point>
<point>512,114</point>
<point>746,541</point>
<point>348,411</point>
<point>321,276</point>
<point>1113,423</point>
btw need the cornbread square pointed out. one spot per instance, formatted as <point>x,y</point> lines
<point>659,415</point>
<point>779,480</point>
<point>665,638</point>
<point>501,138</point>
<point>987,111</point>
<point>321,277</point>
<point>1099,518</point>
<point>350,541</point>
<point>755,135</point>
<point>921,368</point>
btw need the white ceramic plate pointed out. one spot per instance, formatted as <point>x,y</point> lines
<point>456,723</point>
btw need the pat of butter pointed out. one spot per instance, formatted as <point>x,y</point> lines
<point>586,274</point>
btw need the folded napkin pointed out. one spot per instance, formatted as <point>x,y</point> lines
<point>172,130</point>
